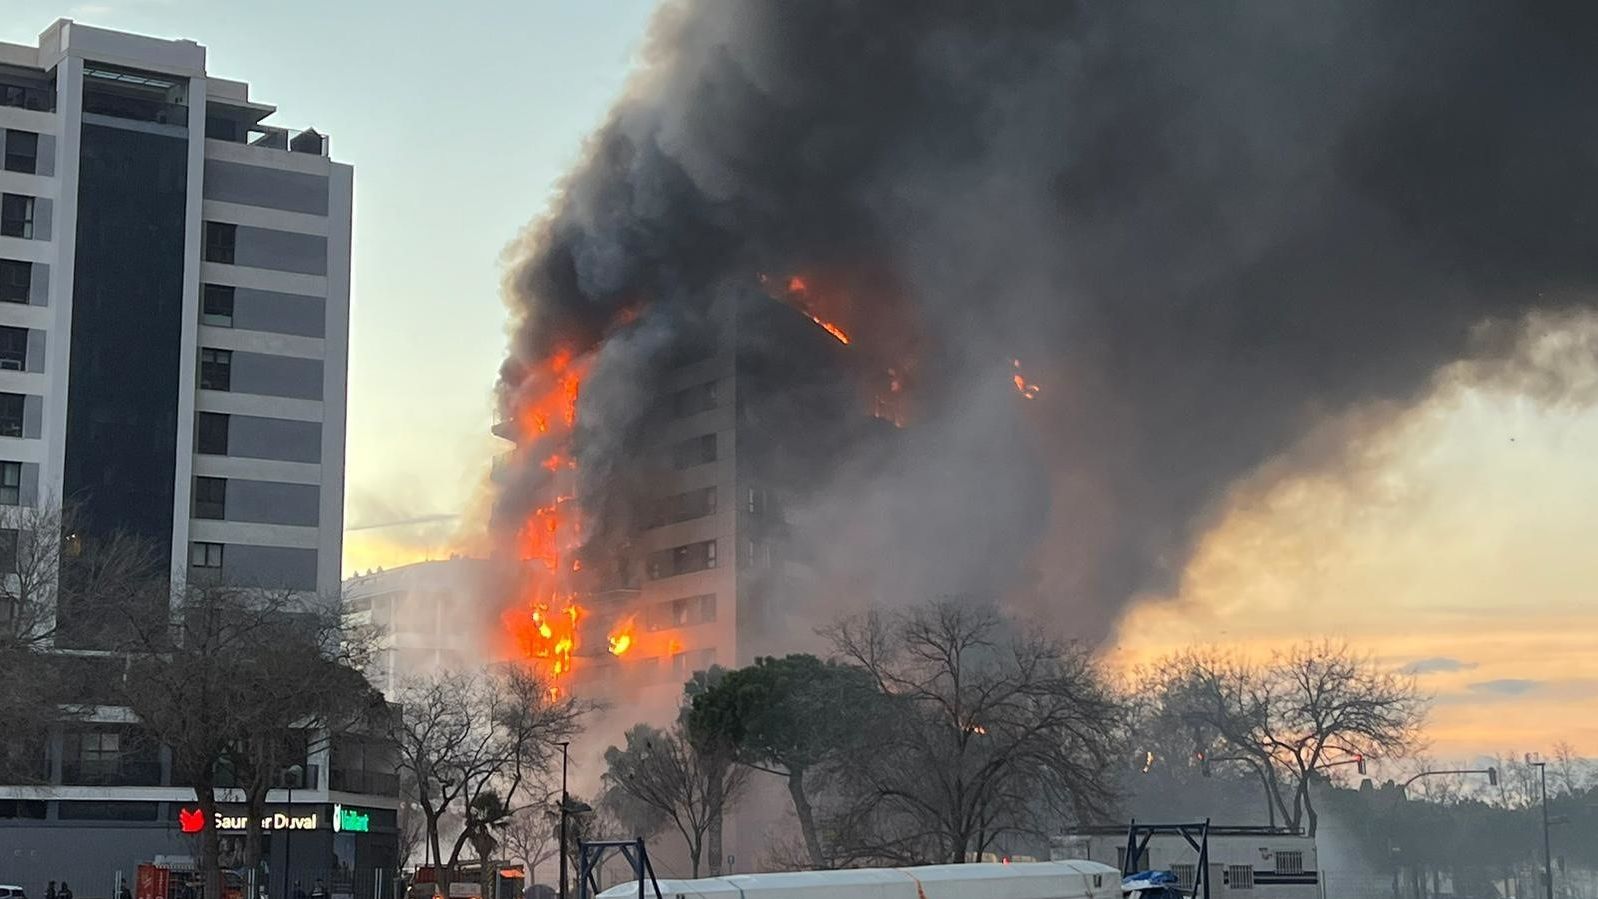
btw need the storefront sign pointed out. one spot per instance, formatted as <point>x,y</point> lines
<point>351,820</point>
<point>192,820</point>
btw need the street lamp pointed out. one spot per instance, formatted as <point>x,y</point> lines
<point>565,803</point>
<point>291,776</point>
<point>1548,852</point>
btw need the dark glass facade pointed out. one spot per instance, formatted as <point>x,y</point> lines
<point>127,314</point>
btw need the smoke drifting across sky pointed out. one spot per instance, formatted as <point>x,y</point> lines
<point>1208,229</point>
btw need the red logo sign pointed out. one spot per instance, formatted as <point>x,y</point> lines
<point>191,820</point>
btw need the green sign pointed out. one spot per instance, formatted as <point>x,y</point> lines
<point>349,820</point>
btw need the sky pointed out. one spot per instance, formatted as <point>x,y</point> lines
<point>1464,552</point>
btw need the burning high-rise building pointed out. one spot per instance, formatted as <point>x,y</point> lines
<point>683,556</point>
<point>1108,261</point>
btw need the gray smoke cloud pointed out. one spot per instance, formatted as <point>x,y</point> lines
<point>1205,228</point>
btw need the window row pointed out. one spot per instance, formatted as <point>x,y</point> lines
<point>684,559</point>
<point>21,151</point>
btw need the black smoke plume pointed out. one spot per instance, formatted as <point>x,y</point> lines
<point>1204,228</point>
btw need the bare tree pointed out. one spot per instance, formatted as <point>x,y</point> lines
<point>1313,706</point>
<point>464,735</point>
<point>1570,771</point>
<point>527,836</point>
<point>993,729</point>
<point>664,771</point>
<point>308,691</point>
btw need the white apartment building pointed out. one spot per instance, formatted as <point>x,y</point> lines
<point>428,617</point>
<point>174,332</point>
<point>174,329</point>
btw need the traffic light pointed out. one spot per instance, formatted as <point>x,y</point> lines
<point>1359,763</point>
<point>1492,776</point>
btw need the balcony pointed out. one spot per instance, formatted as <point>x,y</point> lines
<point>138,109</point>
<point>27,96</point>
<point>310,141</point>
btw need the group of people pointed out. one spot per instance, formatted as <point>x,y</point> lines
<point>50,892</point>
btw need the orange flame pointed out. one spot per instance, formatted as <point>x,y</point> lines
<point>1027,389</point>
<point>798,296</point>
<point>621,637</point>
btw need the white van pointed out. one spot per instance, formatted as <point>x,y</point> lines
<point>12,891</point>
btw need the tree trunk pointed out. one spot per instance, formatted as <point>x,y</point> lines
<point>715,799</point>
<point>432,836</point>
<point>210,841</point>
<point>807,816</point>
<point>255,804</point>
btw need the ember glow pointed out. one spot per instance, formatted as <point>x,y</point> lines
<point>1027,389</point>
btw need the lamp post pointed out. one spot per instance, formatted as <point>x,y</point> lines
<point>1403,793</point>
<point>565,802</point>
<point>291,776</point>
<point>1548,851</point>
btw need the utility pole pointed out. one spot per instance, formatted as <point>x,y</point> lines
<point>1548,851</point>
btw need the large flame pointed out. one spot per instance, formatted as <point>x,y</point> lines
<point>621,638</point>
<point>542,624</point>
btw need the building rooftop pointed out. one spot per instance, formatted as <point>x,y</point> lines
<point>145,77</point>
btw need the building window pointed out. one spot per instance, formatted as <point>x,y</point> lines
<point>16,216</point>
<point>216,369</point>
<point>10,483</point>
<point>8,550</point>
<point>694,400</point>
<point>1186,876</point>
<point>216,305</point>
<point>221,238</point>
<point>757,553</point>
<point>11,406</point>
<point>22,151</point>
<point>210,498</point>
<point>694,451</point>
<point>13,349</point>
<point>210,433</point>
<point>205,555</point>
<point>684,507</point>
<point>1290,862</point>
<point>1240,877</point>
<point>685,612</point>
<point>684,559</point>
<point>16,281</point>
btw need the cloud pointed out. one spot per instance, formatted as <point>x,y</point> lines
<point>1437,665</point>
<point>1509,686</point>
